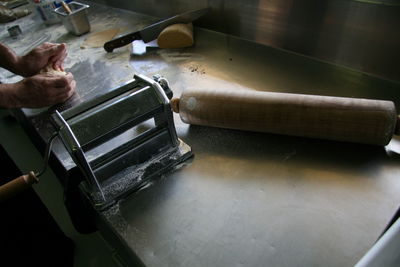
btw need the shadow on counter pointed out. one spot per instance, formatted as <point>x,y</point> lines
<point>291,149</point>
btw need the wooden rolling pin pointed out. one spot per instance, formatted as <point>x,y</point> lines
<point>333,118</point>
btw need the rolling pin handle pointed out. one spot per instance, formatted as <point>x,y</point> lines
<point>397,129</point>
<point>175,104</point>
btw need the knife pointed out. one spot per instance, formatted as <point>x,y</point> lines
<point>151,32</point>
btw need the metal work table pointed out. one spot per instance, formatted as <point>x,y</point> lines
<point>245,199</point>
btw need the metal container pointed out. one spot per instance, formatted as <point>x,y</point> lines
<point>14,31</point>
<point>77,21</point>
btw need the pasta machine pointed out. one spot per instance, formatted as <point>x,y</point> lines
<point>122,140</point>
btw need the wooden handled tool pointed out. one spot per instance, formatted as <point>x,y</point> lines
<point>17,185</point>
<point>334,118</point>
<point>66,7</point>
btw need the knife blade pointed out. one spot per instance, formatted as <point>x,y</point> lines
<point>151,32</point>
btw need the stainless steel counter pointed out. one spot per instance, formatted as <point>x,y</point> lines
<point>245,199</point>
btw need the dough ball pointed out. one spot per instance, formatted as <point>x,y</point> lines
<point>49,70</point>
<point>176,36</point>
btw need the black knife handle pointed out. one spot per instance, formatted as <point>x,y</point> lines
<point>121,41</point>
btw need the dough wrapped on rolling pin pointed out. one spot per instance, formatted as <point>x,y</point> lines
<point>333,118</point>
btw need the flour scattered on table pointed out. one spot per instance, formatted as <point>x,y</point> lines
<point>99,38</point>
<point>197,69</point>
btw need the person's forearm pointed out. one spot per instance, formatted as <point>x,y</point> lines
<point>8,59</point>
<point>8,97</point>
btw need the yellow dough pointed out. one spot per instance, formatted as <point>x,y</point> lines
<point>49,70</point>
<point>176,36</point>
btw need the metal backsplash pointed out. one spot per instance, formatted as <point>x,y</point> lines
<point>361,34</point>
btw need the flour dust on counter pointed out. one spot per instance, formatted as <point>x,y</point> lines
<point>181,55</point>
<point>115,217</point>
<point>136,177</point>
<point>98,39</point>
<point>122,182</point>
<point>198,69</point>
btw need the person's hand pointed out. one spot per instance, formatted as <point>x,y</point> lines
<point>40,57</point>
<point>42,90</point>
